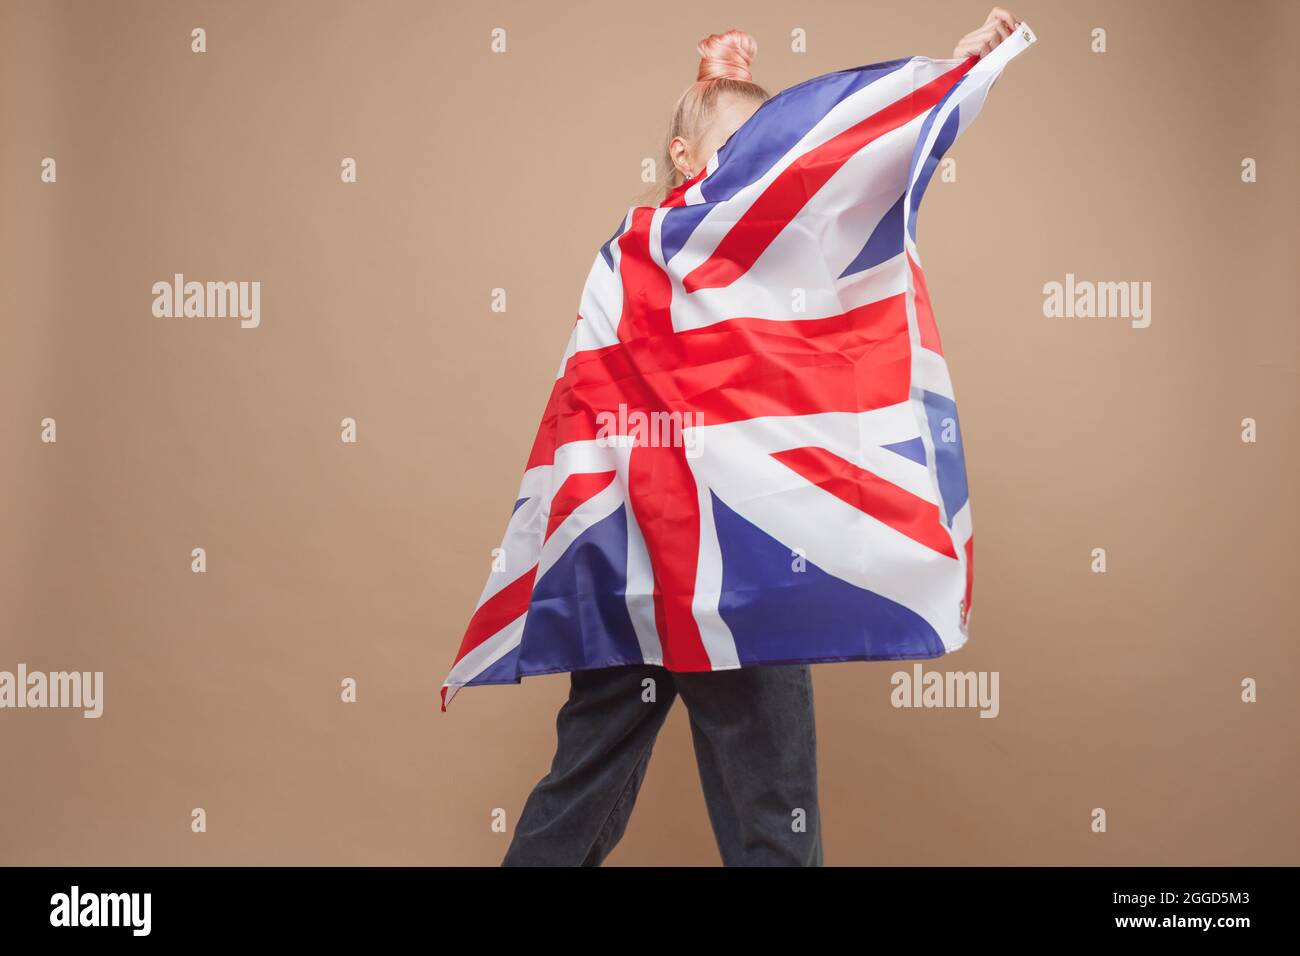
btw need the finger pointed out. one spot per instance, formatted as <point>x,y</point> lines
<point>1003,16</point>
<point>997,33</point>
<point>990,37</point>
<point>1005,21</point>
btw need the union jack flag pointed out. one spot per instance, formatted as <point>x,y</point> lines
<point>751,454</point>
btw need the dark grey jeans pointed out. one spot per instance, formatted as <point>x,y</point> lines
<point>755,744</point>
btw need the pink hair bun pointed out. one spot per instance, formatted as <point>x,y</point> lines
<point>726,56</point>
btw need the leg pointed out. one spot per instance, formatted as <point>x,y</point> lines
<point>756,746</point>
<point>604,734</point>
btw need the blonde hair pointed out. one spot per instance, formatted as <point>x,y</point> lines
<point>724,68</point>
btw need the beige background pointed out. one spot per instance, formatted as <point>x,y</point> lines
<point>479,171</point>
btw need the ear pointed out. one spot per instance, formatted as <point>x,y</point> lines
<point>681,156</point>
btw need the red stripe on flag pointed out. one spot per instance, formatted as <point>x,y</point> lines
<point>576,489</point>
<point>924,313</point>
<point>543,452</point>
<point>799,182</point>
<point>736,370</point>
<point>647,291</point>
<point>869,493</point>
<point>497,611</point>
<point>665,501</point>
<point>970,572</point>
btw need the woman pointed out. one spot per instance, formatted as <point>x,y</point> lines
<point>607,572</point>
<point>753,727</point>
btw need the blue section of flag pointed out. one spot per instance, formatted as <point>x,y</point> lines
<point>923,166</point>
<point>578,617</point>
<point>606,250</point>
<point>885,241</point>
<point>913,448</point>
<point>776,613</point>
<point>949,457</point>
